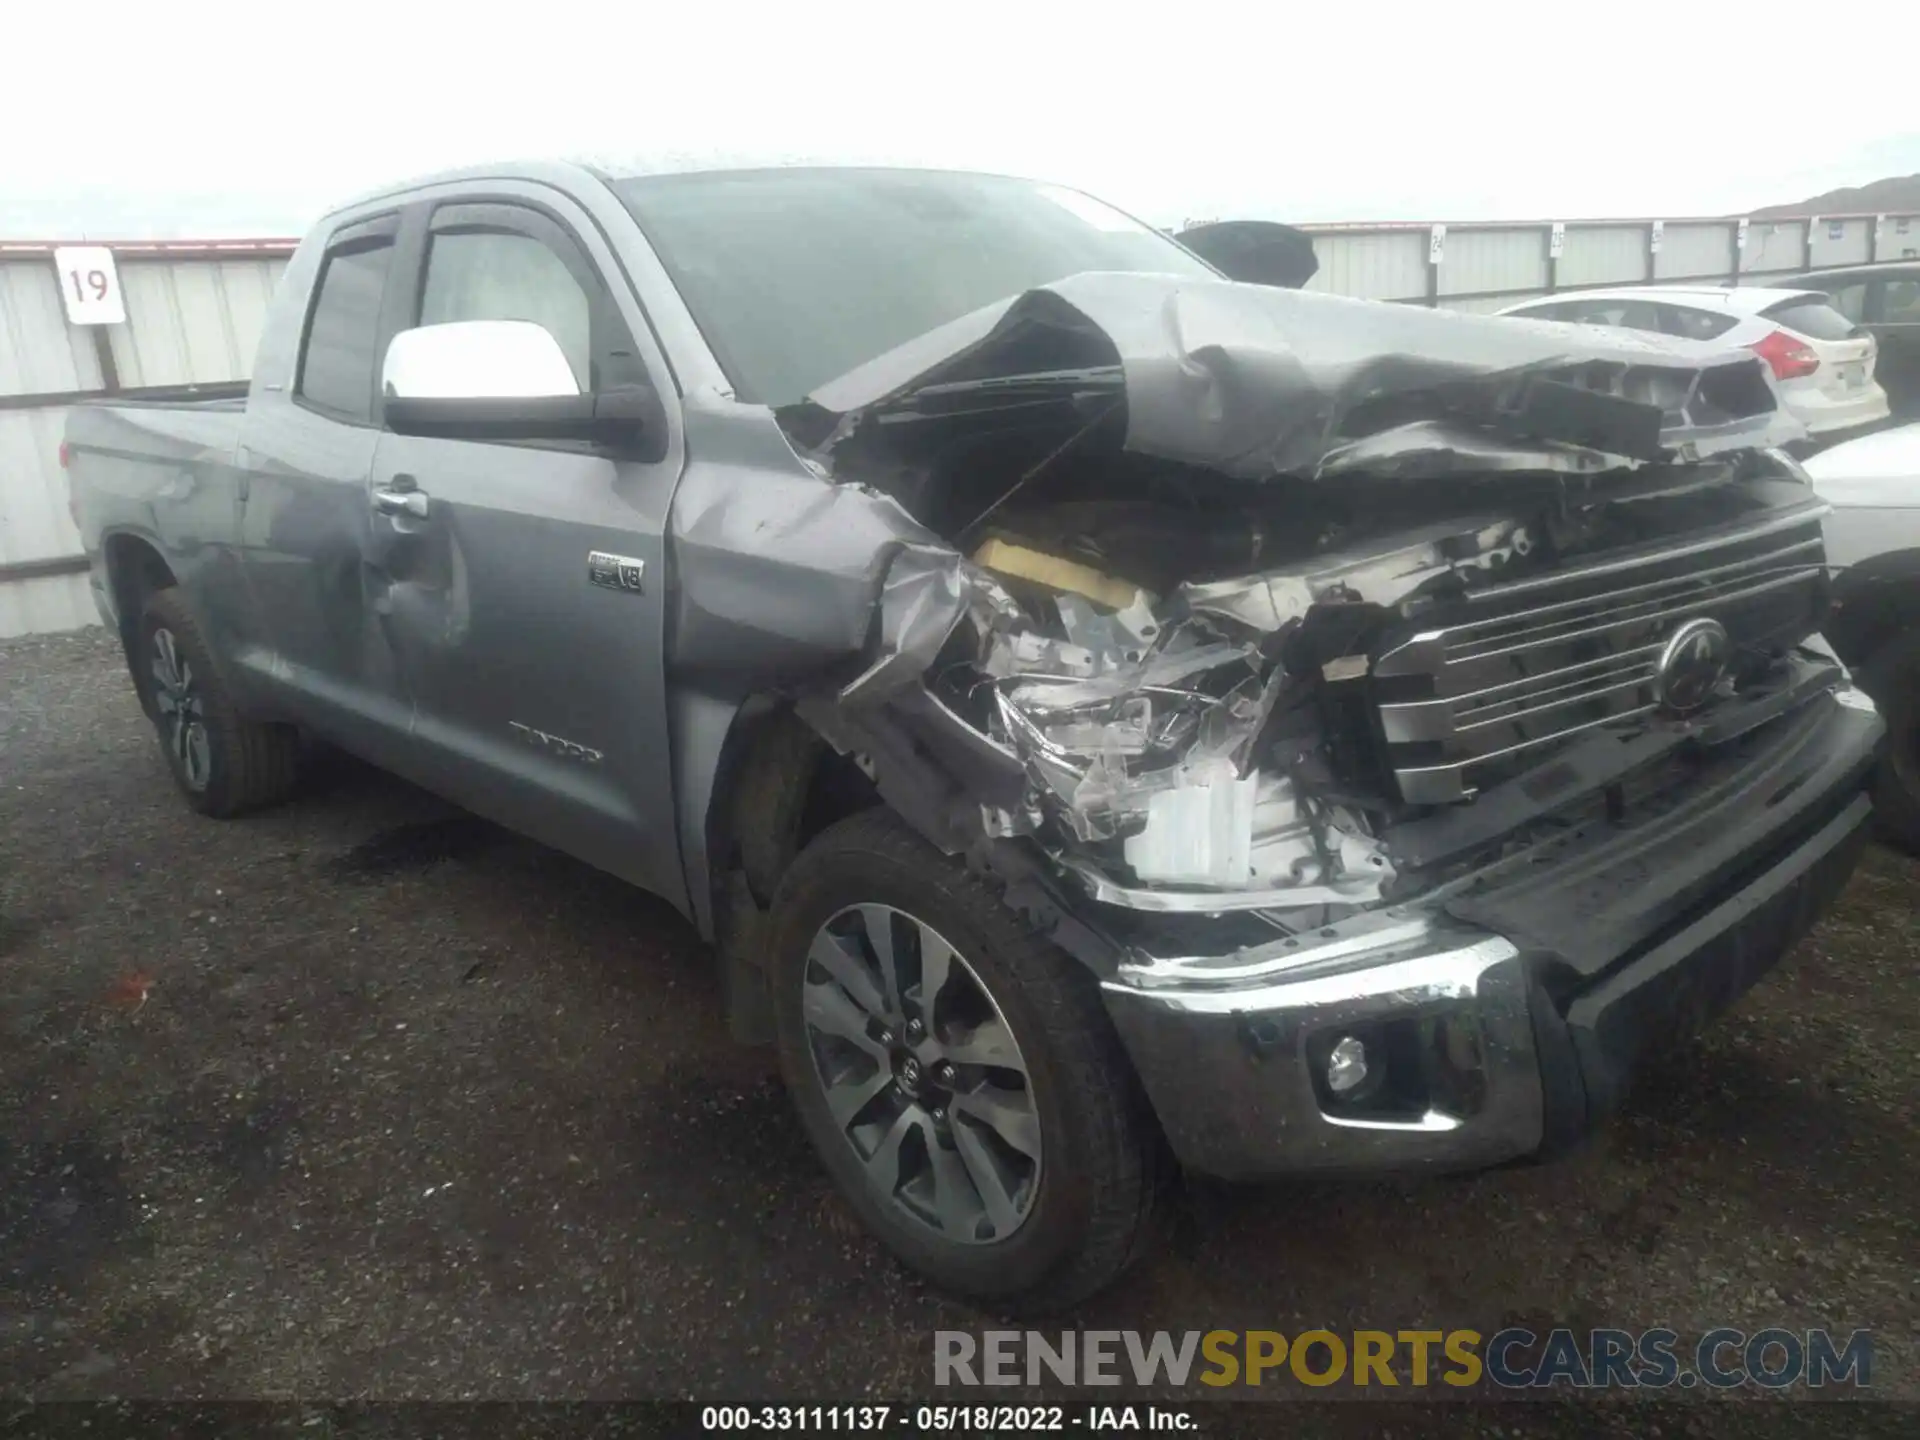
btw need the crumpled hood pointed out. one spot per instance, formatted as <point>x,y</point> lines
<point>1253,381</point>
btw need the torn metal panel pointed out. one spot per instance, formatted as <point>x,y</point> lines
<point>922,795</point>
<point>924,597</point>
<point>928,763</point>
<point>1440,447</point>
<point>777,574</point>
<point>988,772</point>
<point>1269,602</point>
<point>1100,885</point>
<point>1140,741</point>
<point>1036,689</point>
<point>1154,764</point>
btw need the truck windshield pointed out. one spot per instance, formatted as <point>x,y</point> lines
<point>797,276</point>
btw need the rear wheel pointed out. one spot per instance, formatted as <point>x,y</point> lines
<point>957,1073</point>
<point>1892,677</point>
<point>223,763</point>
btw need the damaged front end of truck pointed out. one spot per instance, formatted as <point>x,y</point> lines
<point>1237,630</point>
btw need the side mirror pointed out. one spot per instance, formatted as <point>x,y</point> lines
<point>499,380</point>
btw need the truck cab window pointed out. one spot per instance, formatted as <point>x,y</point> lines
<point>500,275</point>
<point>337,359</point>
<point>1850,300</point>
<point>1900,302</point>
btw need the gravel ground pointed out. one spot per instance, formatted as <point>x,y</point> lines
<point>365,1098</point>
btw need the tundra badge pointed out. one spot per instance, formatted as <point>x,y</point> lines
<point>616,572</point>
<point>554,745</point>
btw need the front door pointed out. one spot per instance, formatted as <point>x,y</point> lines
<point>521,584</point>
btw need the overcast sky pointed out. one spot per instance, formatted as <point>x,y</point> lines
<point>123,120</point>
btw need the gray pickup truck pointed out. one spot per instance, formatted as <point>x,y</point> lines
<point>1103,716</point>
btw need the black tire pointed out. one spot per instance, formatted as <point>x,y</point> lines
<point>1892,677</point>
<point>243,764</point>
<point>770,800</point>
<point>1094,1202</point>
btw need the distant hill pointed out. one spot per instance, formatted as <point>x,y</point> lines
<point>1894,194</point>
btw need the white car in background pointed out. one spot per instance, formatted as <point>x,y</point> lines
<point>1822,362</point>
<point>1873,550</point>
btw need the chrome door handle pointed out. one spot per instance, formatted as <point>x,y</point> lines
<point>401,502</point>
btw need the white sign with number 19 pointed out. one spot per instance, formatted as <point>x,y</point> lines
<point>90,285</point>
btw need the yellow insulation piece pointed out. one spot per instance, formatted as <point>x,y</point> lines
<point>1057,574</point>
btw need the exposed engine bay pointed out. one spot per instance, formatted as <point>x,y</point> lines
<point>1229,598</point>
<point>1191,692</point>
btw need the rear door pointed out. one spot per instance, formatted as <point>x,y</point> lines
<point>523,585</point>
<point>316,644</point>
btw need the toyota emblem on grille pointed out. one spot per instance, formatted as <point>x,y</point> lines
<point>1692,663</point>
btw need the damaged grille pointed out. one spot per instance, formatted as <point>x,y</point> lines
<point>1518,667</point>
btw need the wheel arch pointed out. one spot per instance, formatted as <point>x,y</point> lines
<point>757,779</point>
<point>136,569</point>
<point>755,784</point>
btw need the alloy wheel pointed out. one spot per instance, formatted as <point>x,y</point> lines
<point>182,713</point>
<point>921,1074</point>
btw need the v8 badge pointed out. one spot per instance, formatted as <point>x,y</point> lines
<point>617,572</point>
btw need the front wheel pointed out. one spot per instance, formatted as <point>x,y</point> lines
<point>957,1073</point>
<point>1892,677</point>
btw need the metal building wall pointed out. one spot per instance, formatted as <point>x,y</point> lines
<point>194,313</point>
<point>1774,245</point>
<point>39,355</point>
<point>191,323</point>
<point>1692,250</point>
<point>1487,266</point>
<point>1476,261</point>
<point>1602,255</point>
<point>1370,265</point>
<point>1843,241</point>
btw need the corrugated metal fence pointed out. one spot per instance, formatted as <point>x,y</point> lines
<point>194,312</point>
<point>193,315</point>
<point>1486,266</point>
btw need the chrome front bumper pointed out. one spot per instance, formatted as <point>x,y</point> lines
<point>1232,1074</point>
<point>1490,1048</point>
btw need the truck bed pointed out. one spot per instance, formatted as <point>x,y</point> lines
<point>153,429</point>
<point>157,468</point>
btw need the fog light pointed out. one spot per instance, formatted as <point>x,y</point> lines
<point>1346,1066</point>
